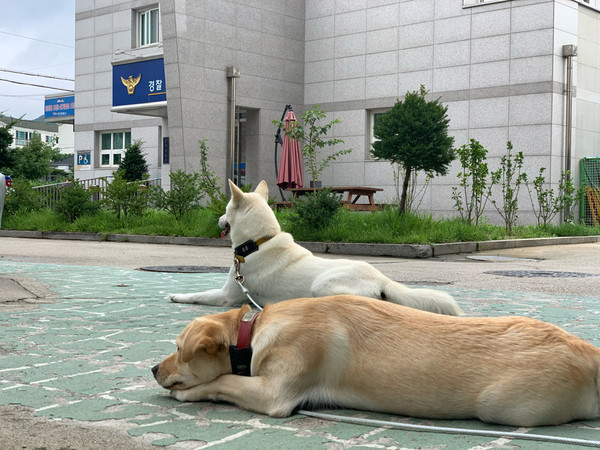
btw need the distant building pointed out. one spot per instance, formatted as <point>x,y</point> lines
<point>170,73</point>
<point>56,135</point>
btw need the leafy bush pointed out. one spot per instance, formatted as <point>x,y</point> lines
<point>124,198</point>
<point>316,211</point>
<point>210,183</point>
<point>75,201</point>
<point>185,194</point>
<point>21,198</point>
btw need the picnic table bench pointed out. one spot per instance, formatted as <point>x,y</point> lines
<point>353,194</point>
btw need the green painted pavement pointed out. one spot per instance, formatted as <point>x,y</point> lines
<point>87,357</point>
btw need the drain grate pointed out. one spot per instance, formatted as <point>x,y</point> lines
<point>186,269</point>
<point>540,273</point>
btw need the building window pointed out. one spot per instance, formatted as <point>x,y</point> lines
<point>22,137</point>
<point>112,147</point>
<point>148,26</point>
<point>373,116</point>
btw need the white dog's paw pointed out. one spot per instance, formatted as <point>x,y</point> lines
<point>179,298</point>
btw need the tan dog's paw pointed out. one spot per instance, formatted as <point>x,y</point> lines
<point>181,395</point>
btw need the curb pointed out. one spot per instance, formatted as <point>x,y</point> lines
<point>336,248</point>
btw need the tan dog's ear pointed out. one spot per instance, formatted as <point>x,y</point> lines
<point>206,337</point>
<point>263,189</point>
<point>236,192</point>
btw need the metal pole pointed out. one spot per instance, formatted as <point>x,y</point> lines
<point>569,51</point>
<point>232,73</point>
<point>2,195</point>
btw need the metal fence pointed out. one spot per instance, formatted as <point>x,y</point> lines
<point>50,193</point>
<point>590,178</point>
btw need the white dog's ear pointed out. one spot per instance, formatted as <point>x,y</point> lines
<point>236,192</point>
<point>263,189</point>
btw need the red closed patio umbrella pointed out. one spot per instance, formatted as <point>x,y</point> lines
<point>290,169</point>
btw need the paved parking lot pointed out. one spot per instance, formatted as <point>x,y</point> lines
<point>78,337</point>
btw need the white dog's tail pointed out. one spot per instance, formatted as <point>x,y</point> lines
<point>425,299</point>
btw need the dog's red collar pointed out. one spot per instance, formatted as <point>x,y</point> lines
<point>245,330</point>
<point>240,355</point>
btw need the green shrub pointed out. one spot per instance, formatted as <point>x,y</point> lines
<point>125,198</point>
<point>75,200</point>
<point>185,194</point>
<point>316,211</point>
<point>133,166</point>
<point>21,198</point>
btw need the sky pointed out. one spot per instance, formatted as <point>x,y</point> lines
<point>37,37</point>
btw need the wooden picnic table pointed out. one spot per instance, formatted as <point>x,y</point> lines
<point>353,194</point>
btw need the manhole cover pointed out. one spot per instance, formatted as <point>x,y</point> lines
<point>186,269</point>
<point>540,273</point>
<point>500,258</point>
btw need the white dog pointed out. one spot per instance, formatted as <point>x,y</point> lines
<point>359,353</point>
<point>275,268</point>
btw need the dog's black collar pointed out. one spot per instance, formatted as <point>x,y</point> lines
<point>240,355</point>
<point>247,248</point>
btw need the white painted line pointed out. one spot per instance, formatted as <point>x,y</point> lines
<point>226,439</point>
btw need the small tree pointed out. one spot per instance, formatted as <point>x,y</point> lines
<point>133,166</point>
<point>470,199</point>
<point>415,195</point>
<point>510,178</point>
<point>414,133</point>
<point>312,136</point>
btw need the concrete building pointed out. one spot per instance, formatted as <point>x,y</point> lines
<point>224,70</point>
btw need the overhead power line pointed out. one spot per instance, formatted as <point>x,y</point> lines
<point>36,75</point>
<point>36,85</point>
<point>35,39</point>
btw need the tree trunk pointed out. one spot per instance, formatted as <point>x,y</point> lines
<point>405,182</point>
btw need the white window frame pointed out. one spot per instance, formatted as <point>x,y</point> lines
<point>144,24</point>
<point>372,114</point>
<point>115,152</point>
<point>23,137</point>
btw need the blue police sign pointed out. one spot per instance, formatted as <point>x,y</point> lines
<point>59,107</point>
<point>139,82</point>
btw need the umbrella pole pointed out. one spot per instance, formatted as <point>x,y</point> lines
<point>279,140</point>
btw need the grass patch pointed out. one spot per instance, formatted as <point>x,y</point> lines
<point>384,226</point>
<point>197,223</point>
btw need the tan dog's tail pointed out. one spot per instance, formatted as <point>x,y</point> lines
<point>424,299</point>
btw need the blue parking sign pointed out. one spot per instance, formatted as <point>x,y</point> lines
<point>84,159</point>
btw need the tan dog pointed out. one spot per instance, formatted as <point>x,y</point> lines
<point>360,353</point>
